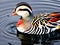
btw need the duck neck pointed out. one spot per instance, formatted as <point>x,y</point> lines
<point>28,18</point>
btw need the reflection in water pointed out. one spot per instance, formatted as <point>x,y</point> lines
<point>9,43</point>
<point>7,22</point>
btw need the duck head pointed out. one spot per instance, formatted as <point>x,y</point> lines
<point>22,9</point>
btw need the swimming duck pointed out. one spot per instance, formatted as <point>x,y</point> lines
<point>24,23</point>
<point>29,24</point>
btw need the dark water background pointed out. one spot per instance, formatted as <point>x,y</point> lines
<point>7,22</point>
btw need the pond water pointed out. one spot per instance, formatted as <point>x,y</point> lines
<point>7,22</point>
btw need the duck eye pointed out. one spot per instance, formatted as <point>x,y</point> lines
<point>20,10</point>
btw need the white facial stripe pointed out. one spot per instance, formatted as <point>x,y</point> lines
<point>23,7</point>
<point>23,13</point>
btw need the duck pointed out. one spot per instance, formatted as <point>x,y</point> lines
<point>29,24</point>
<point>30,27</point>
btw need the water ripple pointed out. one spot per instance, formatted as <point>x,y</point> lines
<point>8,23</point>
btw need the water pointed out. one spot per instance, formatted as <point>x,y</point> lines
<point>7,22</point>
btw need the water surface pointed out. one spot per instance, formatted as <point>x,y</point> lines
<point>8,22</point>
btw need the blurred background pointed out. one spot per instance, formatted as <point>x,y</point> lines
<point>8,22</point>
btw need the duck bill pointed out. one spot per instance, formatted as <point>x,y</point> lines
<point>14,13</point>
